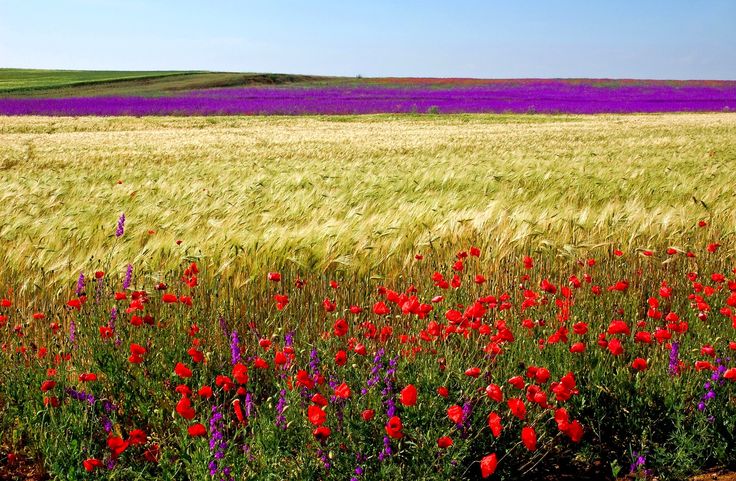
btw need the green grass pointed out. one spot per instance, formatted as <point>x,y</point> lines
<point>67,83</point>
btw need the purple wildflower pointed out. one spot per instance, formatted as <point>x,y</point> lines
<point>223,325</point>
<point>113,318</point>
<point>72,332</point>
<point>128,277</point>
<point>386,452</point>
<point>81,395</point>
<point>121,226</point>
<point>248,405</point>
<point>280,406</point>
<point>98,290</point>
<point>234,348</point>
<point>80,285</point>
<point>674,367</point>
<point>218,446</point>
<point>106,424</point>
<point>314,364</point>
<point>639,464</point>
<point>324,456</point>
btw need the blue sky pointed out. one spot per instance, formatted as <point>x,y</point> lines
<point>669,39</point>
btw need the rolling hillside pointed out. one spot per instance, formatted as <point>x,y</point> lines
<point>71,83</point>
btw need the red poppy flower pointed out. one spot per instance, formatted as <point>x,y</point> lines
<point>494,422</point>
<point>197,430</point>
<point>394,427</point>
<point>137,436</point>
<point>47,385</point>
<point>517,382</point>
<point>316,415</point>
<point>196,355</point>
<point>184,408</point>
<point>517,407</point>
<point>615,347</point>
<point>184,390</point>
<point>328,305</point>
<point>494,392</point>
<point>528,262</point>
<point>280,358</point>
<point>380,308</point>
<point>342,391</point>
<point>136,353</point>
<point>473,372</point>
<point>90,464</point>
<point>488,465</point>
<point>360,349</point>
<point>182,371</point>
<point>238,410</point>
<point>409,395</point>
<point>455,413</point>
<point>577,348</point>
<point>152,453</point>
<point>224,382</point>
<point>575,431</point>
<point>240,373</point>
<point>529,438</point>
<point>75,303</point>
<point>444,442</point>
<point>367,414</point>
<point>341,358</point>
<point>169,298</point>
<point>321,433</point>
<point>340,327</point>
<point>618,327</point>
<point>274,277</point>
<point>580,328</point>
<point>639,364</point>
<point>303,379</point>
<point>116,445</point>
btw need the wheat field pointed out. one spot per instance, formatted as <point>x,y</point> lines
<point>358,194</point>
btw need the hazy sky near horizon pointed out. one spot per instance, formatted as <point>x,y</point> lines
<point>661,39</point>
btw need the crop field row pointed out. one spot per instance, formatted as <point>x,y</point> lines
<point>352,194</point>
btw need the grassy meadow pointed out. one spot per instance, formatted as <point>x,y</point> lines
<point>368,297</point>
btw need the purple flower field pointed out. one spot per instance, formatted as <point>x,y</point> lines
<point>540,96</point>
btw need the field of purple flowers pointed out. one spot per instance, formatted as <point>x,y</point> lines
<point>415,96</point>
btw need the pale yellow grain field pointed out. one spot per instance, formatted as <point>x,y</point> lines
<point>357,193</point>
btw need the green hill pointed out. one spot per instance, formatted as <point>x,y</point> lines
<point>67,83</point>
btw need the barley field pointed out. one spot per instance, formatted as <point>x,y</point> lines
<point>353,194</point>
